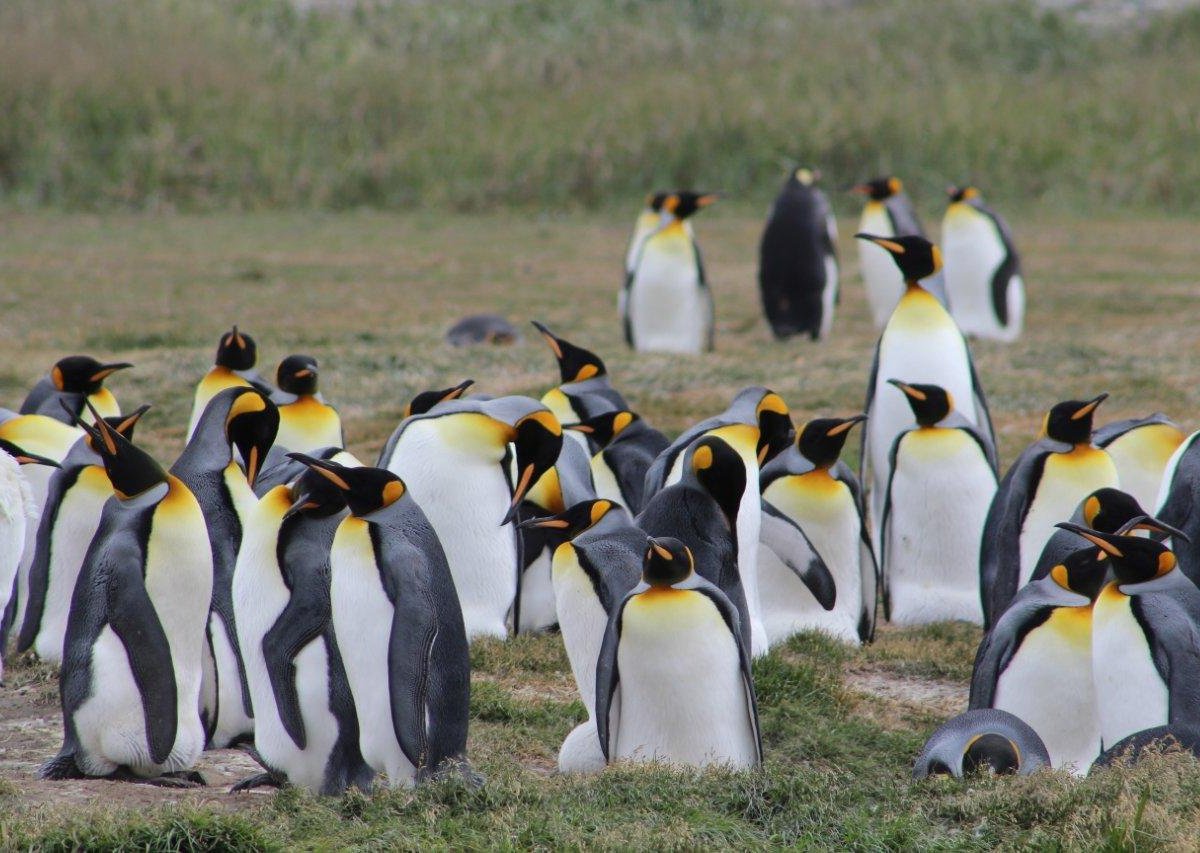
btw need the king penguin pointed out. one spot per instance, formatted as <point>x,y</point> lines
<point>668,306</point>
<point>983,271</point>
<point>797,260</point>
<point>941,480</point>
<point>813,488</point>
<point>233,367</point>
<point>130,680</point>
<point>1141,448</point>
<point>673,680</point>
<point>1036,661</point>
<point>403,639</point>
<point>1042,488</point>
<point>306,421</point>
<point>982,740</point>
<point>245,420</point>
<point>1178,502</point>
<point>73,383</point>
<point>426,400</point>
<point>584,390</point>
<point>623,448</point>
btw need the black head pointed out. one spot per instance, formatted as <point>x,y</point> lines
<point>1134,559</point>
<point>131,470</point>
<point>575,364</point>
<point>22,457</point>
<point>821,440</point>
<point>236,351</point>
<point>297,374</point>
<point>683,203</point>
<point>930,403</point>
<point>719,469</point>
<point>916,257</point>
<point>367,490</point>
<point>316,496</point>
<point>963,193</point>
<point>1082,572</point>
<point>250,426</point>
<point>775,429</point>
<point>668,562</point>
<point>426,400</point>
<point>538,442</point>
<point>879,189</point>
<point>123,424</point>
<point>575,519</point>
<point>1071,421</point>
<point>82,374</point>
<point>602,429</point>
<point>655,200</point>
<point>991,753</point>
<point>1108,510</point>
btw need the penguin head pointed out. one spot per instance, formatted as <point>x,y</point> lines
<point>805,176</point>
<point>963,193</point>
<point>668,562</point>
<point>1082,572</point>
<point>22,457</point>
<point>878,189</point>
<point>250,425</point>
<point>575,519</point>
<point>1134,559</point>
<point>930,403</point>
<point>297,374</point>
<point>367,490</point>
<point>1071,421</point>
<point>683,203</point>
<point>315,495</point>
<point>916,257</point>
<point>538,440</point>
<point>775,429</point>
<point>602,429</point>
<point>82,374</point>
<point>426,400</point>
<point>821,440</point>
<point>654,201</point>
<point>131,470</point>
<point>720,471</point>
<point>991,753</point>
<point>236,351</point>
<point>575,364</point>
<point>123,424</point>
<point>1108,510</point>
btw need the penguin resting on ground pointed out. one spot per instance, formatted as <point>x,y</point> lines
<point>982,740</point>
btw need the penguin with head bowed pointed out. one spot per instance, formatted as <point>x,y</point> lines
<point>77,494</point>
<point>674,642</point>
<point>1036,661</point>
<point>584,389</point>
<point>1145,638</point>
<point>242,420</point>
<point>797,260</point>
<point>306,421</point>
<point>1043,486</point>
<point>599,560</point>
<point>306,731</point>
<point>281,469</point>
<point>133,655</point>
<point>982,741</point>
<point>812,488</point>
<point>455,459</point>
<point>666,305</point>
<point>426,400</point>
<point>623,447</point>
<point>404,644</point>
<point>983,270</point>
<point>233,367</point>
<point>1141,448</point>
<point>941,479</point>
<point>76,382</point>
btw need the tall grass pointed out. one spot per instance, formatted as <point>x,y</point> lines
<point>255,103</point>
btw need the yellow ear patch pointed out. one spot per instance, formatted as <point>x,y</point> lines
<point>1059,575</point>
<point>1091,508</point>
<point>586,372</point>
<point>622,420</point>
<point>937,258</point>
<point>772,403</point>
<point>392,492</point>
<point>546,419</point>
<point>246,404</point>
<point>804,176</point>
<point>670,203</point>
<point>702,458</point>
<point>599,509</point>
<point>1166,562</point>
<point>969,193</point>
<point>894,185</point>
<point>56,376</point>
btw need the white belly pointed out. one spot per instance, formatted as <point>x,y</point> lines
<point>881,277</point>
<point>1130,694</point>
<point>828,296</point>
<point>15,526</point>
<point>605,481</point>
<point>668,309</point>
<point>537,595</point>
<point>973,251</point>
<point>38,479</point>
<point>582,621</point>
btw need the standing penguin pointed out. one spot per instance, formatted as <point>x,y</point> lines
<point>941,480</point>
<point>1042,487</point>
<point>983,271</point>
<point>130,680</point>
<point>1141,448</point>
<point>455,461</point>
<point>233,367</point>
<point>810,486</point>
<point>245,420</point>
<point>306,731</point>
<point>797,260</point>
<point>623,448</point>
<point>1036,661</point>
<point>585,390</point>
<point>674,643</point>
<point>306,422</point>
<point>395,609</point>
<point>668,306</point>
<point>74,383</point>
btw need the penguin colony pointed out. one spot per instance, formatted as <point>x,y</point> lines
<point>270,590</point>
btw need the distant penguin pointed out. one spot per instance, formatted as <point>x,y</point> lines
<point>1141,448</point>
<point>454,459</point>
<point>131,672</point>
<point>810,486</point>
<point>482,329</point>
<point>1145,658</point>
<point>983,271</point>
<point>941,481</point>
<point>1043,487</point>
<point>797,260</point>
<point>400,628</point>
<point>73,383</point>
<point>1036,661</point>
<point>673,680</point>
<point>920,344</point>
<point>668,306</point>
<point>306,421</point>
<point>306,731</point>
<point>982,740</point>
<point>584,390</point>
<point>240,419</point>
<point>623,449</point>
<point>233,367</point>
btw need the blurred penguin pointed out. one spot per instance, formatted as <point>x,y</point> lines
<point>983,271</point>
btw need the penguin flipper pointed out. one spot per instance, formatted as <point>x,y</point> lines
<point>868,565</point>
<point>414,629</point>
<point>42,390</point>
<point>983,416</point>
<point>608,676</point>
<point>39,569</point>
<point>302,621</point>
<point>997,648</point>
<point>999,552</point>
<point>795,550</point>
<point>1175,645</point>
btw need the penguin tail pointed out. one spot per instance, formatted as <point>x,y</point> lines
<point>62,766</point>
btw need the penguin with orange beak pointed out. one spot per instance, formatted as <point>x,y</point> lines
<point>76,382</point>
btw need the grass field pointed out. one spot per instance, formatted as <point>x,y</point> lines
<point>1112,308</point>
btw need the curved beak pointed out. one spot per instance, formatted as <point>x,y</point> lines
<point>846,425</point>
<point>107,370</point>
<point>1100,540</point>
<point>1089,407</point>
<point>1153,525</point>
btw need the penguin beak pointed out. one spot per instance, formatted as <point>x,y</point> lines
<point>1152,524</point>
<point>538,442</point>
<point>301,503</point>
<point>107,370</point>
<point>1089,407</point>
<point>908,389</point>
<point>707,199</point>
<point>845,426</point>
<point>551,340</point>
<point>551,522</point>
<point>1100,540</point>
<point>891,245</point>
<point>128,422</point>
<point>859,189</point>
<point>24,458</point>
<point>305,373</point>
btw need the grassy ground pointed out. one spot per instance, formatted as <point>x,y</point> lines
<point>1112,307</point>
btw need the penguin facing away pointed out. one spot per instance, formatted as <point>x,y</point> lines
<point>985,740</point>
<point>798,263</point>
<point>233,367</point>
<point>623,448</point>
<point>983,270</point>
<point>306,421</point>
<point>74,382</point>
<point>1141,448</point>
<point>673,680</point>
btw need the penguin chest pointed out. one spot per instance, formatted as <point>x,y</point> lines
<point>881,277</point>
<point>581,618</point>
<point>669,309</point>
<point>606,482</point>
<point>1067,478</point>
<point>1141,457</point>
<point>307,425</point>
<point>179,576</point>
<point>1048,684</point>
<point>973,250</point>
<point>682,697</point>
<point>1130,693</point>
<point>213,383</point>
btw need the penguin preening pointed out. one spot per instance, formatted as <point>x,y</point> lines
<point>982,740</point>
<point>667,304</point>
<point>623,448</point>
<point>983,271</point>
<point>306,421</point>
<point>233,367</point>
<point>1043,487</point>
<point>798,262</point>
<point>673,680</point>
<point>74,382</point>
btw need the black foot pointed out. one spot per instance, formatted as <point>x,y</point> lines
<point>259,780</point>
<point>178,779</point>
<point>61,767</point>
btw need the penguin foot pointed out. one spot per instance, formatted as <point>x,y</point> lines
<point>62,766</point>
<point>258,780</point>
<point>176,779</point>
